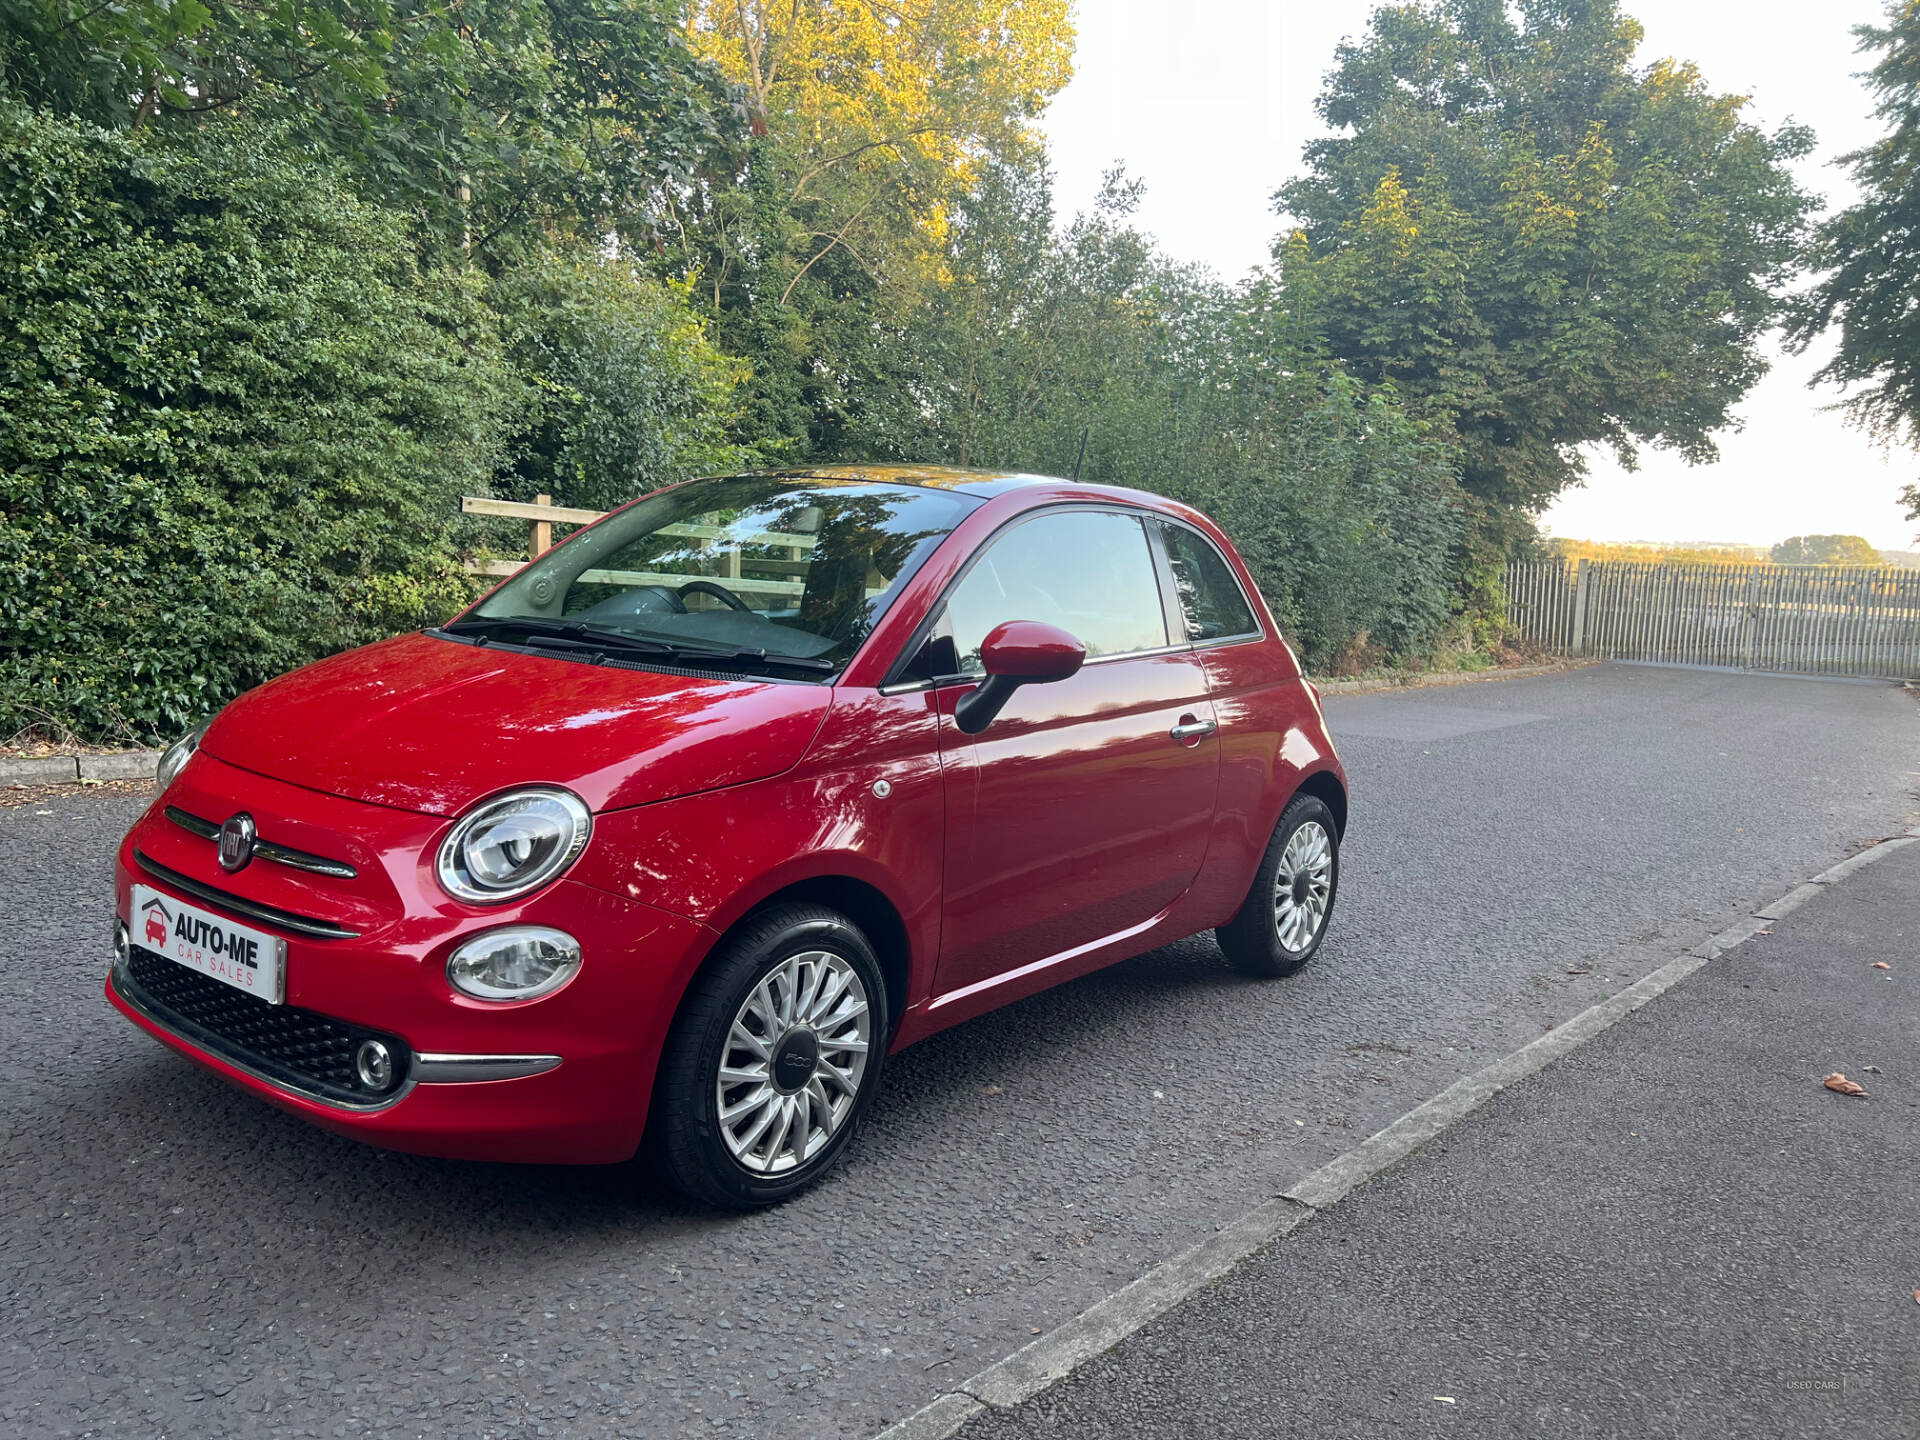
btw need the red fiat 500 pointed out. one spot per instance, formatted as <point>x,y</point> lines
<point>744,787</point>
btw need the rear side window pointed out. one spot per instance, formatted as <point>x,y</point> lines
<point>1211,599</point>
<point>1087,571</point>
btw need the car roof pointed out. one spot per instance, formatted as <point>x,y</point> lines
<point>980,484</point>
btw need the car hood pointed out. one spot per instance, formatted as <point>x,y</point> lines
<point>431,724</point>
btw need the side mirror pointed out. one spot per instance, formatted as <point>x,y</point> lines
<point>1016,653</point>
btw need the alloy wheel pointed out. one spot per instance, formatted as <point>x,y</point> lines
<point>794,1057</point>
<point>1303,886</point>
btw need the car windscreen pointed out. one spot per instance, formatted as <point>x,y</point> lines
<point>757,568</point>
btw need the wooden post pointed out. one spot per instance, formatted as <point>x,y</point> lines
<point>1749,619</point>
<point>1580,609</point>
<point>542,540</point>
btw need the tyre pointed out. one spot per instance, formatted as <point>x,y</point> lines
<point>1284,917</point>
<point>772,1060</point>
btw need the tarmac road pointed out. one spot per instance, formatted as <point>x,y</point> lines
<point>178,1259</point>
<point>1674,1231</point>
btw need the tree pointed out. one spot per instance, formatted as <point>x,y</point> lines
<point>1343,506</point>
<point>627,391</point>
<point>1825,550</point>
<point>1540,244</point>
<point>1656,554</point>
<point>1869,253</point>
<point>478,115</point>
<point>868,125</point>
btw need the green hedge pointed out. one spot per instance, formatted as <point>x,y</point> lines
<point>1348,516</point>
<point>236,415</point>
<point>626,391</point>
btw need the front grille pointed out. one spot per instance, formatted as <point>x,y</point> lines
<point>302,1050</point>
<point>240,905</point>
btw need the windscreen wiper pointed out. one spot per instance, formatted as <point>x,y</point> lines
<point>755,656</point>
<point>572,635</point>
<point>600,640</point>
<point>534,624</point>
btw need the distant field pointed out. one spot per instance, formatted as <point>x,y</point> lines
<point>1690,553</point>
<point>1694,552</point>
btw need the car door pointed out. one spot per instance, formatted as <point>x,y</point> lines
<point>1082,811</point>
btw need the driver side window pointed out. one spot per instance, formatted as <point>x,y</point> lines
<point>1087,571</point>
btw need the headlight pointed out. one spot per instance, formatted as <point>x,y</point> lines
<point>174,758</point>
<point>514,844</point>
<point>520,962</point>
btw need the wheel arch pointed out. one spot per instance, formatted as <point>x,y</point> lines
<point>861,902</point>
<point>1325,786</point>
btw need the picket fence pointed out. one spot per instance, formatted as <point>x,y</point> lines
<point>1799,619</point>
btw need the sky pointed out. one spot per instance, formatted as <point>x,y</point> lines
<point>1210,101</point>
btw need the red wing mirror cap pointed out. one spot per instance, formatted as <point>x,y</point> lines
<point>1031,650</point>
<point>1016,653</point>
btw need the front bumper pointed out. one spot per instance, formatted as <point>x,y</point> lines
<point>540,1117</point>
<point>562,1079</point>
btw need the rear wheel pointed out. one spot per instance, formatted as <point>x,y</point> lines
<point>772,1060</point>
<point>1284,917</point>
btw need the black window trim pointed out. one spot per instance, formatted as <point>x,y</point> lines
<point>900,681</point>
<point>1239,637</point>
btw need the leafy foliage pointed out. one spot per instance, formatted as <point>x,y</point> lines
<point>1825,550</point>
<point>1537,243</point>
<point>628,391</point>
<point>1343,506</point>
<point>478,116</point>
<point>238,414</point>
<point>280,283</point>
<point>1869,253</point>
<point>1658,554</point>
<point>868,125</point>
<point>327,267</point>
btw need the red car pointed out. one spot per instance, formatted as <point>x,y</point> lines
<point>681,830</point>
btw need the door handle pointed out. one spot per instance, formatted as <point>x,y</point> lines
<point>1190,729</point>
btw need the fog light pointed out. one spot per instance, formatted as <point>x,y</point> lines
<point>373,1063</point>
<point>120,942</point>
<point>519,962</point>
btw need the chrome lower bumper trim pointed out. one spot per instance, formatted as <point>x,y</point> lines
<point>471,1069</point>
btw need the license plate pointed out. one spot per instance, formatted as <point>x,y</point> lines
<point>232,953</point>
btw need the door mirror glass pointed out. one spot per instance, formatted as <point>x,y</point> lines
<point>1016,653</point>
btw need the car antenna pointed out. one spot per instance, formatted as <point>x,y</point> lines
<point>1083,451</point>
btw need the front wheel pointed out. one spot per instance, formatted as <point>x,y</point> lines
<point>772,1059</point>
<point>1284,917</point>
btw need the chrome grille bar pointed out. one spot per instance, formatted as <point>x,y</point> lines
<point>252,909</point>
<point>266,849</point>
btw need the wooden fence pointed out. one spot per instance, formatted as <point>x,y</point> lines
<point>1800,619</point>
<point>541,517</point>
<point>782,573</point>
